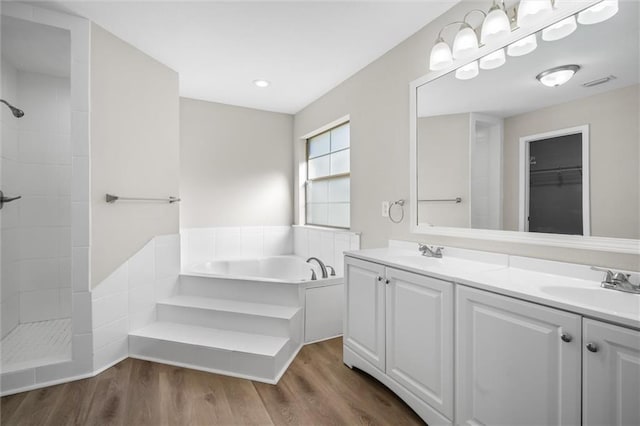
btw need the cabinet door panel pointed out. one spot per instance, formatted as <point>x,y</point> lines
<point>420,337</point>
<point>512,366</point>
<point>364,329</point>
<point>611,376</point>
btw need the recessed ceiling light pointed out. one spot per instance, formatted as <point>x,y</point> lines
<point>261,83</point>
<point>557,76</point>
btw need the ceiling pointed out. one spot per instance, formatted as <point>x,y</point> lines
<point>35,47</point>
<point>608,48</point>
<point>304,48</point>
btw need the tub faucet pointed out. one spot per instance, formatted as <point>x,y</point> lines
<point>430,251</point>
<point>323,268</point>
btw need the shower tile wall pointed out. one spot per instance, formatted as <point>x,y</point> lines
<point>9,278</point>
<point>37,228</point>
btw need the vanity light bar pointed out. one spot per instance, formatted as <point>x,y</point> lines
<point>497,24</point>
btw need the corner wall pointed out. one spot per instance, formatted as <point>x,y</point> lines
<point>134,150</point>
<point>236,166</point>
<point>377,101</point>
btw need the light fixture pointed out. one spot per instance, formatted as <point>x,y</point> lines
<point>495,25</point>
<point>261,83</point>
<point>531,11</point>
<point>523,46</point>
<point>557,76</point>
<point>440,57</point>
<point>466,42</point>
<point>468,71</point>
<point>598,12</point>
<point>493,60</point>
<point>560,29</point>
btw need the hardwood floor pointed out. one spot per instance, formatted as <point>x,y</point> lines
<point>318,389</point>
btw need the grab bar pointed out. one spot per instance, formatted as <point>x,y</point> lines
<point>457,200</point>
<point>113,198</point>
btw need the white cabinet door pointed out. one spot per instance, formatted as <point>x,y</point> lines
<point>611,375</point>
<point>512,366</point>
<point>364,310</point>
<point>420,337</point>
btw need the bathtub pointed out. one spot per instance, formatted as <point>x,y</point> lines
<point>287,269</point>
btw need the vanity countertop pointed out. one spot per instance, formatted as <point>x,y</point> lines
<point>570,287</point>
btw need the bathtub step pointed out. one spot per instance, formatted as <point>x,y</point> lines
<point>245,290</point>
<point>247,355</point>
<point>234,315</point>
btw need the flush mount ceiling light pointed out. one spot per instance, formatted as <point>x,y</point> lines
<point>261,83</point>
<point>493,60</point>
<point>557,76</point>
<point>560,29</point>
<point>523,46</point>
<point>598,12</point>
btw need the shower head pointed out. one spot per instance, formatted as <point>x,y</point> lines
<point>17,112</point>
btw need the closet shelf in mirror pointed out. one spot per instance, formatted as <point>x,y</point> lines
<point>557,170</point>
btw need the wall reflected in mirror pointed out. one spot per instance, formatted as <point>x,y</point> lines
<point>503,151</point>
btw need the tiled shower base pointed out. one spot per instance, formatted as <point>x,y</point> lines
<point>37,343</point>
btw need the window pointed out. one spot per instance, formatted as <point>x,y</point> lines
<point>328,178</point>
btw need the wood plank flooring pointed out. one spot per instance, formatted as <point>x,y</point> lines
<point>317,389</point>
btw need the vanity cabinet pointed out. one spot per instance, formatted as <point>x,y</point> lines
<point>402,323</point>
<point>517,362</point>
<point>610,375</point>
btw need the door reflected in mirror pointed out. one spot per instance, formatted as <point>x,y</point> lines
<point>503,151</point>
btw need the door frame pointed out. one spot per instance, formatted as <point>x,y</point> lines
<point>523,187</point>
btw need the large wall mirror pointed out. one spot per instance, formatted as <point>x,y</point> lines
<point>505,152</point>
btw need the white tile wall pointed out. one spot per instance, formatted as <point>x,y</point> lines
<point>204,244</point>
<point>327,244</point>
<point>126,299</point>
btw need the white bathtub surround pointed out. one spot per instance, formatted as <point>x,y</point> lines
<point>126,299</point>
<point>205,244</point>
<point>327,244</point>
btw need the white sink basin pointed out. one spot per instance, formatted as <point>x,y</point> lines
<point>614,300</point>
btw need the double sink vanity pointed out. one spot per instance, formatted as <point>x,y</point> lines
<point>484,338</point>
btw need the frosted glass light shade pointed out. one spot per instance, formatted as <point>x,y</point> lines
<point>530,11</point>
<point>493,60</point>
<point>598,12</point>
<point>468,71</point>
<point>495,25</point>
<point>465,44</point>
<point>440,57</point>
<point>523,46</point>
<point>557,76</point>
<point>560,29</point>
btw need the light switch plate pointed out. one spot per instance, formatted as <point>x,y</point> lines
<point>385,209</point>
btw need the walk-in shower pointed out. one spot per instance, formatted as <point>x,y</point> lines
<point>35,220</point>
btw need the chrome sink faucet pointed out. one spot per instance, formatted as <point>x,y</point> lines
<point>430,251</point>
<point>323,267</point>
<point>617,281</point>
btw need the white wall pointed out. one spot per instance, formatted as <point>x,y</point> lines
<point>134,150</point>
<point>236,166</point>
<point>377,101</point>
<point>614,138</point>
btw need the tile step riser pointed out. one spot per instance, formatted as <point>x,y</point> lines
<point>247,291</point>
<point>233,321</point>
<point>241,364</point>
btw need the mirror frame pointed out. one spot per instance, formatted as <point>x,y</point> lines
<point>607,244</point>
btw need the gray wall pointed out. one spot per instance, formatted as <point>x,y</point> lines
<point>134,150</point>
<point>614,151</point>
<point>377,100</point>
<point>236,166</point>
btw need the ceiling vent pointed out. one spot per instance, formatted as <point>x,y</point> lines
<point>599,81</point>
